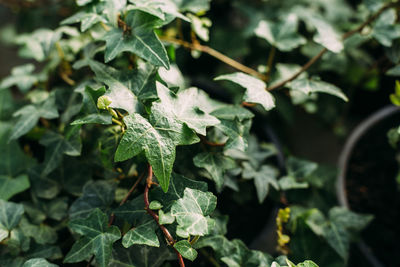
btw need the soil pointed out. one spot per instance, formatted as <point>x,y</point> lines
<point>371,188</point>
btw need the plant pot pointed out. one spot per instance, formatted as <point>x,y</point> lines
<point>366,183</point>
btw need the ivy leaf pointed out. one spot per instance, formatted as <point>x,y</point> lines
<point>300,168</point>
<point>144,234</point>
<point>88,18</point>
<point>338,228</point>
<point>11,186</point>
<point>232,112</point>
<point>191,211</point>
<point>166,10</point>
<point>98,194</point>
<point>215,164</point>
<point>186,250</point>
<point>29,116</point>
<point>177,186</point>
<point>237,132</point>
<point>89,107</point>
<point>182,108</point>
<point>289,182</point>
<point>282,35</point>
<point>141,40</point>
<point>255,89</point>
<point>57,145</point>
<point>44,251</point>
<point>194,6</point>
<point>40,43</point>
<point>234,253</point>
<point>132,211</point>
<point>10,214</point>
<point>143,256</point>
<point>119,91</point>
<point>326,35</point>
<point>385,29</point>
<point>38,262</point>
<point>263,178</point>
<point>141,136</point>
<point>309,86</point>
<point>97,238</point>
<point>22,77</point>
<point>43,234</point>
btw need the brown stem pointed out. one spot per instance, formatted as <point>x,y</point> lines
<point>324,50</point>
<point>270,61</point>
<point>214,53</point>
<point>168,236</point>
<point>125,199</point>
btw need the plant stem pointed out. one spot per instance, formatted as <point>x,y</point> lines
<point>214,53</point>
<point>168,236</point>
<point>270,61</point>
<point>125,199</point>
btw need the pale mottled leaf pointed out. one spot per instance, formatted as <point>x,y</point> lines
<point>255,89</point>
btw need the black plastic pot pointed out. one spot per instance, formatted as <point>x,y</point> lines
<point>369,135</point>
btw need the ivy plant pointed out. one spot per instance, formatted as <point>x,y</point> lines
<point>112,157</point>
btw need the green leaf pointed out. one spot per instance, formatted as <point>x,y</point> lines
<point>289,182</point>
<point>57,145</point>
<point>10,214</point>
<point>43,234</point>
<point>232,112</point>
<point>263,178</point>
<point>89,107</point>
<point>22,77</point>
<point>11,186</point>
<point>191,211</point>
<point>282,35</point>
<point>182,108</point>
<point>29,116</point>
<point>255,89</point>
<point>177,186</point>
<point>97,238</point>
<point>300,168</point>
<point>140,136</point>
<point>234,253</point>
<point>98,194</point>
<point>309,86</point>
<point>307,264</point>
<point>141,41</point>
<point>395,71</point>
<point>385,30</point>
<point>88,17</point>
<point>155,205</point>
<point>186,250</point>
<point>43,186</point>
<point>44,251</point>
<point>165,218</point>
<point>132,210</point>
<point>194,6</point>
<point>215,164</point>
<point>200,26</point>
<point>326,34</point>
<point>348,219</point>
<point>143,256</point>
<point>38,262</point>
<point>119,87</point>
<point>238,133</point>
<point>144,234</point>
